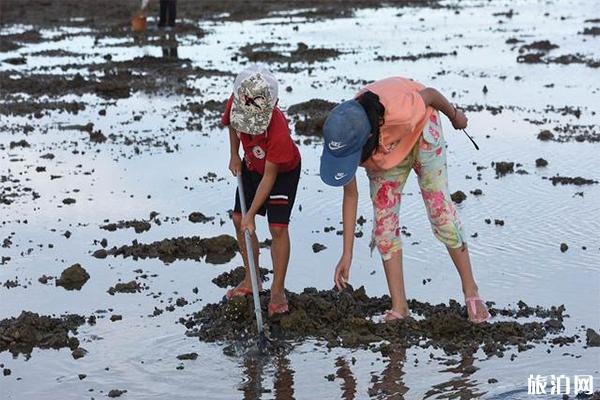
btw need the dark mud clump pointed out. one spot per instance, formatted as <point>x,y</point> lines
<point>318,247</point>
<point>503,168</point>
<point>188,356</point>
<point>129,287</point>
<point>540,162</point>
<point>345,319</point>
<point>217,250</point>
<point>592,338</point>
<point>116,393</point>
<point>458,196</point>
<point>30,330</point>
<point>545,135</point>
<point>416,57</point>
<point>264,52</point>
<point>138,225</point>
<point>310,116</point>
<point>566,180</point>
<point>236,276</point>
<point>198,217</point>
<point>73,278</point>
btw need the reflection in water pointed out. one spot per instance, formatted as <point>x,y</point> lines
<point>460,387</point>
<point>169,45</point>
<point>252,385</point>
<point>391,386</point>
<point>283,379</point>
<point>349,382</point>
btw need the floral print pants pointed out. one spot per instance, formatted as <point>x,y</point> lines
<point>428,159</point>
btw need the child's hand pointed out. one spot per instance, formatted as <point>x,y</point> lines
<point>248,223</point>
<point>342,272</point>
<point>235,165</point>
<point>460,120</point>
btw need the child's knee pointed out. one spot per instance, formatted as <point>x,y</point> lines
<point>278,231</point>
<point>451,234</point>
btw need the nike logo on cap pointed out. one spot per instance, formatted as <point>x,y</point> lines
<point>336,145</point>
<point>340,175</point>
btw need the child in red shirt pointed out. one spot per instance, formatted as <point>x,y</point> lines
<point>270,173</point>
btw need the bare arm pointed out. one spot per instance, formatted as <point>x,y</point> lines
<point>235,162</point>
<point>433,98</point>
<point>264,187</point>
<point>349,207</point>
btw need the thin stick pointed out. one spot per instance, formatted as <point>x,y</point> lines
<point>250,256</point>
<point>472,141</point>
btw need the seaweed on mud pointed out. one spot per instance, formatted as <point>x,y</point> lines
<point>216,250</point>
<point>346,319</point>
<point>309,116</point>
<point>30,330</point>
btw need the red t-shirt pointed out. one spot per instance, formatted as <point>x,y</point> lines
<point>275,145</point>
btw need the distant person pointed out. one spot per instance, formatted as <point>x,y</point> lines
<point>390,127</point>
<point>168,13</point>
<point>270,173</point>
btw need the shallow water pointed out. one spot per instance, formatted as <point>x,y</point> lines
<point>518,261</point>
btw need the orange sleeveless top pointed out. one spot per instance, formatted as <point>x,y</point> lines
<point>404,119</point>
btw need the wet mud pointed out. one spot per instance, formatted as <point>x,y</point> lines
<point>216,250</point>
<point>236,276</point>
<point>348,319</point>
<point>309,116</point>
<point>31,330</point>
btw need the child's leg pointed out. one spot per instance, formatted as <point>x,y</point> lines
<point>280,255</point>
<point>432,174</point>
<point>386,192</point>
<point>250,180</point>
<point>237,220</point>
<point>279,209</point>
<point>162,20</point>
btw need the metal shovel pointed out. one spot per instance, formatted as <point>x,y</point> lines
<point>262,339</point>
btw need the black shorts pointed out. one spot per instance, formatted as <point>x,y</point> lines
<point>278,206</point>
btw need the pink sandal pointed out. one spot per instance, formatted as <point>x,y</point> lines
<point>391,315</point>
<point>278,308</point>
<point>470,302</point>
<point>240,291</point>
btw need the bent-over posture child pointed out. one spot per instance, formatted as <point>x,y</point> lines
<point>270,173</point>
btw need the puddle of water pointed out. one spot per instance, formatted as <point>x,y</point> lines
<point>520,260</point>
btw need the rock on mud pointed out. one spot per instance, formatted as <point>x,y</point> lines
<point>129,287</point>
<point>116,393</point>
<point>317,247</point>
<point>504,167</point>
<point>30,330</point>
<point>458,197</point>
<point>592,338</point>
<point>345,319</point>
<point>236,276</point>
<point>545,135</point>
<point>198,217</point>
<point>216,250</point>
<point>540,162</point>
<point>73,278</point>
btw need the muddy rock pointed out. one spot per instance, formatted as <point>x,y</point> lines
<point>116,393</point>
<point>564,247</point>
<point>477,192</point>
<point>545,135</point>
<point>310,116</point>
<point>100,253</point>
<point>30,330</point>
<point>344,319</point>
<point>540,162</point>
<point>236,276</point>
<point>216,250</point>
<point>6,371</point>
<point>265,53</point>
<point>504,167</point>
<point>458,196</point>
<point>592,338</point>
<point>129,287</point>
<point>78,353</point>
<point>73,278</point>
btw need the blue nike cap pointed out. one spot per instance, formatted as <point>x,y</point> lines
<point>345,132</point>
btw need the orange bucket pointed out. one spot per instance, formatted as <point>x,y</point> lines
<point>138,22</point>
